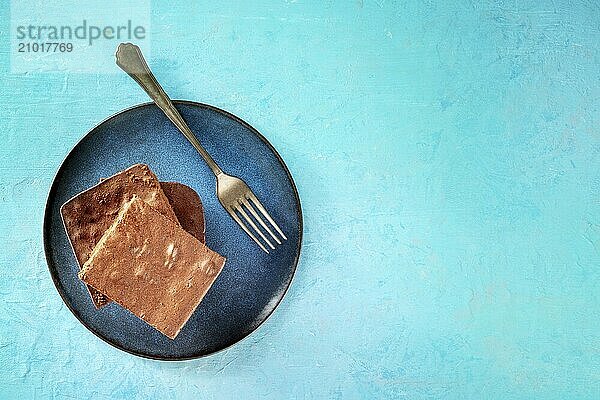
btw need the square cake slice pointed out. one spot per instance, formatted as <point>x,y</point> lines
<point>152,267</point>
<point>89,214</point>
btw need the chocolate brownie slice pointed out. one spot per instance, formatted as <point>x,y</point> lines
<point>90,213</point>
<point>151,266</point>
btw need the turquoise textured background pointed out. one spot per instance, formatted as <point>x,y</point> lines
<point>447,155</point>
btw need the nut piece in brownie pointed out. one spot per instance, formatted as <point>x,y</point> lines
<point>152,267</point>
<point>187,207</point>
<point>89,214</point>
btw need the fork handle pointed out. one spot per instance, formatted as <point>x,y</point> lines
<point>130,59</point>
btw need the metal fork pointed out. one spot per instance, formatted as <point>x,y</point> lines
<point>233,193</point>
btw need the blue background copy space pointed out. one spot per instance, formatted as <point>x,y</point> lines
<point>446,155</point>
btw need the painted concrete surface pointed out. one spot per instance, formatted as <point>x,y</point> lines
<point>447,158</point>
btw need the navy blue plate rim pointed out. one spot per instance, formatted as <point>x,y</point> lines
<point>52,268</point>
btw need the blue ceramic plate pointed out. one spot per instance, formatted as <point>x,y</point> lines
<point>252,283</point>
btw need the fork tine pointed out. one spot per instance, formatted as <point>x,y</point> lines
<point>253,225</point>
<point>252,197</point>
<point>259,219</point>
<point>237,219</point>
